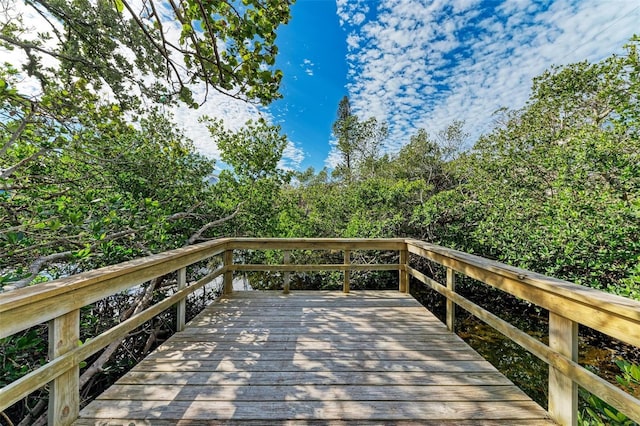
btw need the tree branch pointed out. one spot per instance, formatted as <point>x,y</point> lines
<point>8,172</point>
<point>195,237</point>
<point>15,135</point>
<point>41,262</point>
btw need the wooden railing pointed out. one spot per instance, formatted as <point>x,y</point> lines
<point>58,303</point>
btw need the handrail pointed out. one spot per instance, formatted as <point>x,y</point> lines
<point>568,305</point>
<point>617,316</point>
<point>58,302</point>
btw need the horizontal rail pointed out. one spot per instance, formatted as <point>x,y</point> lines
<point>321,267</point>
<point>48,372</point>
<point>24,308</point>
<point>583,377</point>
<point>318,244</point>
<point>616,316</point>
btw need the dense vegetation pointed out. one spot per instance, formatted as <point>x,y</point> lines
<point>553,188</point>
<point>88,180</point>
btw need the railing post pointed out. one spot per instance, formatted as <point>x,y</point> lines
<point>227,259</point>
<point>563,392</point>
<point>64,391</point>
<point>182,305</point>
<point>287,275</point>
<point>347,272</point>
<point>403,274</point>
<point>451,306</point>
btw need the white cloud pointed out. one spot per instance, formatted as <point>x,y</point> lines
<point>291,157</point>
<point>352,12</point>
<point>334,157</point>
<point>426,63</point>
<point>307,65</point>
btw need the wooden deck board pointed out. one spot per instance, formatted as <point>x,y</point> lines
<point>314,358</point>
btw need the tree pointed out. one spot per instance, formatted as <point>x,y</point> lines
<point>80,187</point>
<point>345,129</point>
<point>555,187</point>
<point>227,45</point>
<point>254,178</point>
<point>359,143</point>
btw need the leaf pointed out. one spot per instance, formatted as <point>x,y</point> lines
<point>119,5</point>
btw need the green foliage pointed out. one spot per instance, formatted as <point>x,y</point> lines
<point>597,412</point>
<point>229,46</point>
<point>554,188</point>
<point>358,144</point>
<point>16,352</point>
<point>70,201</point>
<point>254,179</point>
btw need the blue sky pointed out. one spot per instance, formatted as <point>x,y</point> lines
<point>412,63</point>
<point>425,63</point>
<point>312,55</point>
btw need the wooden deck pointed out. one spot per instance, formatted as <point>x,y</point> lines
<point>367,357</point>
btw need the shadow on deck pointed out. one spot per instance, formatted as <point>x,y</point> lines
<point>366,357</point>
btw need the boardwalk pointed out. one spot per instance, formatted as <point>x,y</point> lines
<point>366,357</point>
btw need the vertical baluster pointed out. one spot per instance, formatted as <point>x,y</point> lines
<point>347,272</point>
<point>227,259</point>
<point>64,392</point>
<point>563,392</point>
<point>403,274</point>
<point>287,275</point>
<point>451,307</point>
<point>181,305</point>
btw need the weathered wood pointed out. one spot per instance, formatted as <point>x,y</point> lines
<point>252,267</point>
<point>354,366</point>
<point>302,365</point>
<point>614,396</point>
<point>287,276</point>
<point>563,392</point>
<point>199,348</point>
<point>391,244</point>
<point>190,353</point>
<point>227,259</point>
<point>616,316</point>
<point>267,411</point>
<point>326,378</point>
<point>451,306</point>
<point>347,272</point>
<point>403,276</point>
<point>312,422</point>
<point>64,400</point>
<point>181,307</point>
<point>313,393</point>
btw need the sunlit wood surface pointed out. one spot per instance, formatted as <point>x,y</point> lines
<point>367,357</point>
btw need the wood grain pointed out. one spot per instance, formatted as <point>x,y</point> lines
<point>263,362</point>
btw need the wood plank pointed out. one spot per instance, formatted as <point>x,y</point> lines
<point>460,353</point>
<point>292,346</point>
<point>373,366</point>
<point>330,328</point>
<point>312,393</point>
<point>339,378</point>
<point>300,410</point>
<point>312,422</point>
<point>262,363</point>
